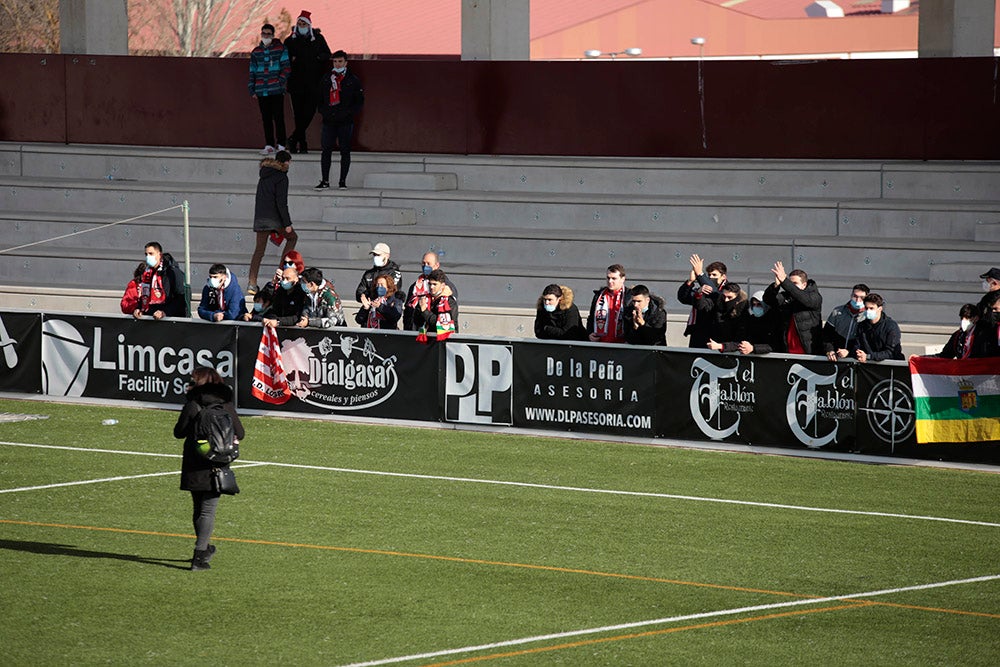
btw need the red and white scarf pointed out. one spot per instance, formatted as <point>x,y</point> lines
<point>374,317</point>
<point>420,288</point>
<point>444,325</point>
<point>151,289</point>
<point>335,81</point>
<point>609,324</point>
<point>269,383</point>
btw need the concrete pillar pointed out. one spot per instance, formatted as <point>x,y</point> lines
<point>93,27</point>
<point>496,30</point>
<point>955,28</point>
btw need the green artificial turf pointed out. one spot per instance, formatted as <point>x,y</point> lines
<point>331,567</point>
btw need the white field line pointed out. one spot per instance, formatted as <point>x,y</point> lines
<point>669,619</point>
<point>576,489</point>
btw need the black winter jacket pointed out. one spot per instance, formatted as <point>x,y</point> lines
<point>352,98</point>
<point>288,305</point>
<point>271,205</point>
<point>654,330</point>
<point>310,59</point>
<point>880,340</point>
<point>563,323</point>
<point>367,283</point>
<point>805,306</point>
<point>699,324</point>
<point>195,468</point>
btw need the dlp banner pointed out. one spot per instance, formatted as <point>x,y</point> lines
<point>587,388</point>
<point>123,358</point>
<point>21,352</point>
<point>773,400</point>
<point>347,371</point>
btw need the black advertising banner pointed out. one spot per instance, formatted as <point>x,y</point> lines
<point>21,352</point>
<point>347,371</point>
<point>124,358</point>
<point>776,400</point>
<point>886,410</point>
<point>586,388</point>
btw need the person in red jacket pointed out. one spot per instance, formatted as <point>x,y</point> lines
<point>130,300</point>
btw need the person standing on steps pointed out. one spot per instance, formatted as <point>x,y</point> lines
<point>269,69</point>
<point>309,56</point>
<point>340,99</point>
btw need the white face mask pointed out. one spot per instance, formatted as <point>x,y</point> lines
<point>266,41</point>
<point>215,283</point>
<point>965,324</point>
<point>378,261</point>
<point>549,307</point>
<point>303,30</point>
<point>986,286</point>
<point>339,70</point>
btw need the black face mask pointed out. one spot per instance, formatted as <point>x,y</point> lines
<point>992,317</point>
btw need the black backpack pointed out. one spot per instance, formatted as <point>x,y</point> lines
<point>213,429</point>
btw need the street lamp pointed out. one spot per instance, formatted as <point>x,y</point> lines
<point>700,43</point>
<point>595,53</point>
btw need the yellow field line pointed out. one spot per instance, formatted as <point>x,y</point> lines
<point>404,554</point>
<point>648,633</point>
<point>476,561</point>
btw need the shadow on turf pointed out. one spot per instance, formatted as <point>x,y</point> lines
<point>69,550</point>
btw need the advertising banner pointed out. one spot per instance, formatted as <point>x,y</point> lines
<point>124,358</point>
<point>345,371</point>
<point>772,400</point>
<point>586,388</point>
<point>886,412</point>
<point>21,352</point>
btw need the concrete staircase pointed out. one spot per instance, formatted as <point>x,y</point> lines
<point>920,234</point>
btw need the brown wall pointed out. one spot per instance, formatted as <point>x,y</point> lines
<point>883,109</point>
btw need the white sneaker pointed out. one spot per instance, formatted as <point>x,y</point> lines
<point>267,150</point>
<point>280,147</point>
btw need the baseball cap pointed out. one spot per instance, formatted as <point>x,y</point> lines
<point>380,249</point>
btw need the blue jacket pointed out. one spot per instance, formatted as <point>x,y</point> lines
<point>232,299</point>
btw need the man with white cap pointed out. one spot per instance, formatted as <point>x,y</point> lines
<point>309,54</point>
<point>381,266</point>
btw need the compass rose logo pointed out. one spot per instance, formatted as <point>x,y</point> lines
<point>890,411</point>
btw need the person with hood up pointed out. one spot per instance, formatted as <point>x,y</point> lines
<point>309,54</point>
<point>271,212</point>
<point>645,319</point>
<point>161,286</point>
<point>760,334</point>
<point>221,297</point>
<point>799,305</point>
<point>729,318</point>
<point>557,317</point>
<point>205,389</point>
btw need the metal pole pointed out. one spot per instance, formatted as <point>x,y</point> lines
<point>187,258</point>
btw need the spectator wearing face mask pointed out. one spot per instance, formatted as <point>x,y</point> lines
<point>385,310</point>
<point>799,305</point>
<point>221,297</point>
<point>130,300</point>
<point>269,69</point>
<point>381,266</point>
<point>761,332</point>
<point>701,291</point>
<point>989,326</point>
<point>969,340</point>
<point>161,286</point>
<point>289,301</point>
<point>261,308</point>
<point>645,318</point>
<point>340,100</point>
<point>841,329</point>
<point>430,262</point>
<point>879,337</point>
<point>323,309</point>
<point>309,54</point>
<point>557,317</point>
<point>729,317</point>
<point>991,285</point>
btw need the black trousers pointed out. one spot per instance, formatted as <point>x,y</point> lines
<point>336,136</point>
<point>303,108</point>
<point>272,113</point>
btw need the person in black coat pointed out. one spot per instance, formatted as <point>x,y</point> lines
<point>730,317</point>
<point>645,318</point>
<point>760,335</point>
<point>969,340</point>
<point>206,389</point>
<point>799,304</point>
<point>340,100</point>
<point>879,337</point>
<point>557,317</point>
<point>271,218</point>
<point>309,55</point>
